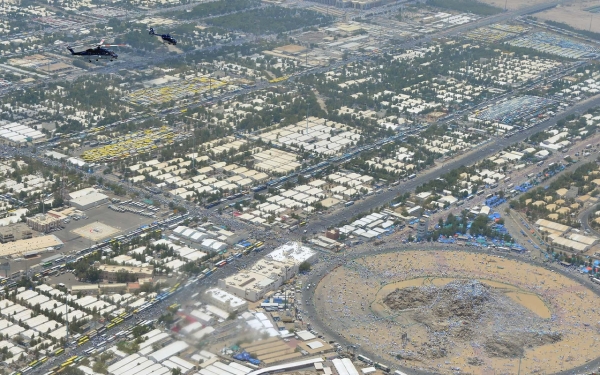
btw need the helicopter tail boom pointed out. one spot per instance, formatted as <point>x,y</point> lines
<point>151,31</point>
<point>71,50</point>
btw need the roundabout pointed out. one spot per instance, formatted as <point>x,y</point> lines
<point>438,311</point>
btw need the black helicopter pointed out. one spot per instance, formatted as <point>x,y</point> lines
<point>99,52</point>
<point>165,37</point>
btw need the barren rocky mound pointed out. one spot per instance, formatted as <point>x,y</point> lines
<point>469,310</point>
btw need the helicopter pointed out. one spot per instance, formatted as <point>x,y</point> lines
<point>100,51</point>
<point>165,37</point>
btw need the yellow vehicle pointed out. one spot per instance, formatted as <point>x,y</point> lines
<point>59,352</point>
<point>72,358</point>
<point>110,325</point>
<point>258,244</point>
<point>43,359</point>
<point>122,315</point>
<point>31,364</point>
<point>82,342</point>
<point>66,363</point>
<point>135,312</point>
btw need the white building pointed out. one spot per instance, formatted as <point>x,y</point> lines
<point>269,273</point>
<point>226,301</point>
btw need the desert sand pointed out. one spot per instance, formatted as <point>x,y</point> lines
<point>513,4</point>
<point>574,15</point>
<point>349,299</point>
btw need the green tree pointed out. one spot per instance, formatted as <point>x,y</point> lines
<point>304,267</point>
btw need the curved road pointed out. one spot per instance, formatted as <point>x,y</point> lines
<point>584,217</point>
<point>321,326</point>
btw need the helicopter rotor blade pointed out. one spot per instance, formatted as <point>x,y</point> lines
<point>115,45</point>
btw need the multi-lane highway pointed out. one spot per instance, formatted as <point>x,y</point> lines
<point>492,146</point>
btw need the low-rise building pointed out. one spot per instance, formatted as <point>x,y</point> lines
<point>226,301</point>
<point>15,232</point>
<point>111,273</point>
<point>85,290</point>
<point>423,227</point>
<point>88,201</point>
<point>45,222</point>
<point>31,246</point>
<point>269,273</point>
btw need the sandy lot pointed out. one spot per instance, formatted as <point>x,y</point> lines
<point>348,299</point>
<point>574,15</point>
<point>96,231</point>
<point>513,4</point>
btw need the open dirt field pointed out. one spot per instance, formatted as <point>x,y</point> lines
<point>511,307</point>
<point>513,4</point>
<point>96,231</point>
<point>574,15</point>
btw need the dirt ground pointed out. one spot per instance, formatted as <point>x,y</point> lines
<point>513,4</point>
<point>96,231</point>
<point>349,298</point>
<point>574,15</point>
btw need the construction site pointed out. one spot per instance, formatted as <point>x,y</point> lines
<point>440,311</point>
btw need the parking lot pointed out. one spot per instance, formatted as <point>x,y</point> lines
<point>122,221</point>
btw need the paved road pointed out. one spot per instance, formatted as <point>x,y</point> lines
<point>495,145</point>
<point>319,325</point>
<point>585,216</point>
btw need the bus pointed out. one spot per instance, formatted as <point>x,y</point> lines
<point>89,351</point>
<point>174,307</point>
<point>221,263</point>
<point>382,367</point>
<point>59,352</point>
<point>364,359</point>
<point>47,264</point>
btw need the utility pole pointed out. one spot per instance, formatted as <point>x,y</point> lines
<point>67,319</point>
<point>307,104</point>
